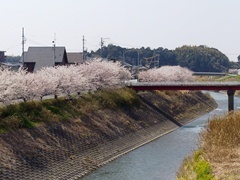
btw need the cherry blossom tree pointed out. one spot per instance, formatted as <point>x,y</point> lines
<point>102,74</point>
<point>6,86</point>
<point>61,80</point>
<point>45,82</point>
<point>166,74</point>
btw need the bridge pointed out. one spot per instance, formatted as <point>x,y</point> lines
<point>230,87</point>
<point>208,74</point>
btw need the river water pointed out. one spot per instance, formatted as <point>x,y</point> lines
<point>160,159</point>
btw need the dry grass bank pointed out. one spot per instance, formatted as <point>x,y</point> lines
<point>221,145</point>
<point>220,150</point>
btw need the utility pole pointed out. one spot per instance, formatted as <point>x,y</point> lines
<point>101,44</point>
<point>154,58</point>
<point>23,42</point>
<point>83,57</point>
<point>158,61</point>
<point>123,57</point>
<point>138,59</point>
<point>54,49</point>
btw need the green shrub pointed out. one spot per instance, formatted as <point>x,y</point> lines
<point>202,167</point>
<point>10,110</point>
<point>195,168</point>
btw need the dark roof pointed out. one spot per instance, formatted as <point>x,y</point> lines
<point>11,64</point>
<point>44,56</point>
<point>74,57</point>
<point>140,67</point>
<point>126,64</point>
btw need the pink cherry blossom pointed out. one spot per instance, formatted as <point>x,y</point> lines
<point>166,74</point>
<point>61,80</point>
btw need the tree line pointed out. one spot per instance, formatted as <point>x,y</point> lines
<point>196,58</point>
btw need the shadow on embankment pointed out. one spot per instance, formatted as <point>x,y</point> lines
<point>160,111</point>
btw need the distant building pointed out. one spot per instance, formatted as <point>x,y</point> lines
<point>127,66</point>
<point>2,56</point>
<point>75,58</point>
<point>38,57</point>
<point>234,71</point>
<point>12,66</point>
<point>137,69</point>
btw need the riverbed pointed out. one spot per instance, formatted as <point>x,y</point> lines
<point>160,159</point>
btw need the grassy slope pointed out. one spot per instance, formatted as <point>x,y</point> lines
<point>178,104</point>
<point>34,113</point>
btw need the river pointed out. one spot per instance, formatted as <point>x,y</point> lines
<point>160,159</point>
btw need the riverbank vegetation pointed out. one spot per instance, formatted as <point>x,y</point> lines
<point>33,113</point>
<point>219,149</point>
<point>195,167</point>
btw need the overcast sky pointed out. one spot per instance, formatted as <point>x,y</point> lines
<point>127,23</point>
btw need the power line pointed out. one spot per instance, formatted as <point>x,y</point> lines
<point>35,42</point>
<point>16,45</point>
<point>101,45</point>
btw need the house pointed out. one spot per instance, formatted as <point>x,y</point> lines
<point>234,71</point>
<point>75,58</point>
<point>38,57</point>
<point>2,56</point>
<point>137,69</point>
<point>127,65</point>
<point>4,63</point>
<point>12,66</point>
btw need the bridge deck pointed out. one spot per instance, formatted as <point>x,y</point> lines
<point>208,74</point>
<point>229,86</point>
<point>184,85</point>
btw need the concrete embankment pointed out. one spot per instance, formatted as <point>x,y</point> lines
<point>70,149</point>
